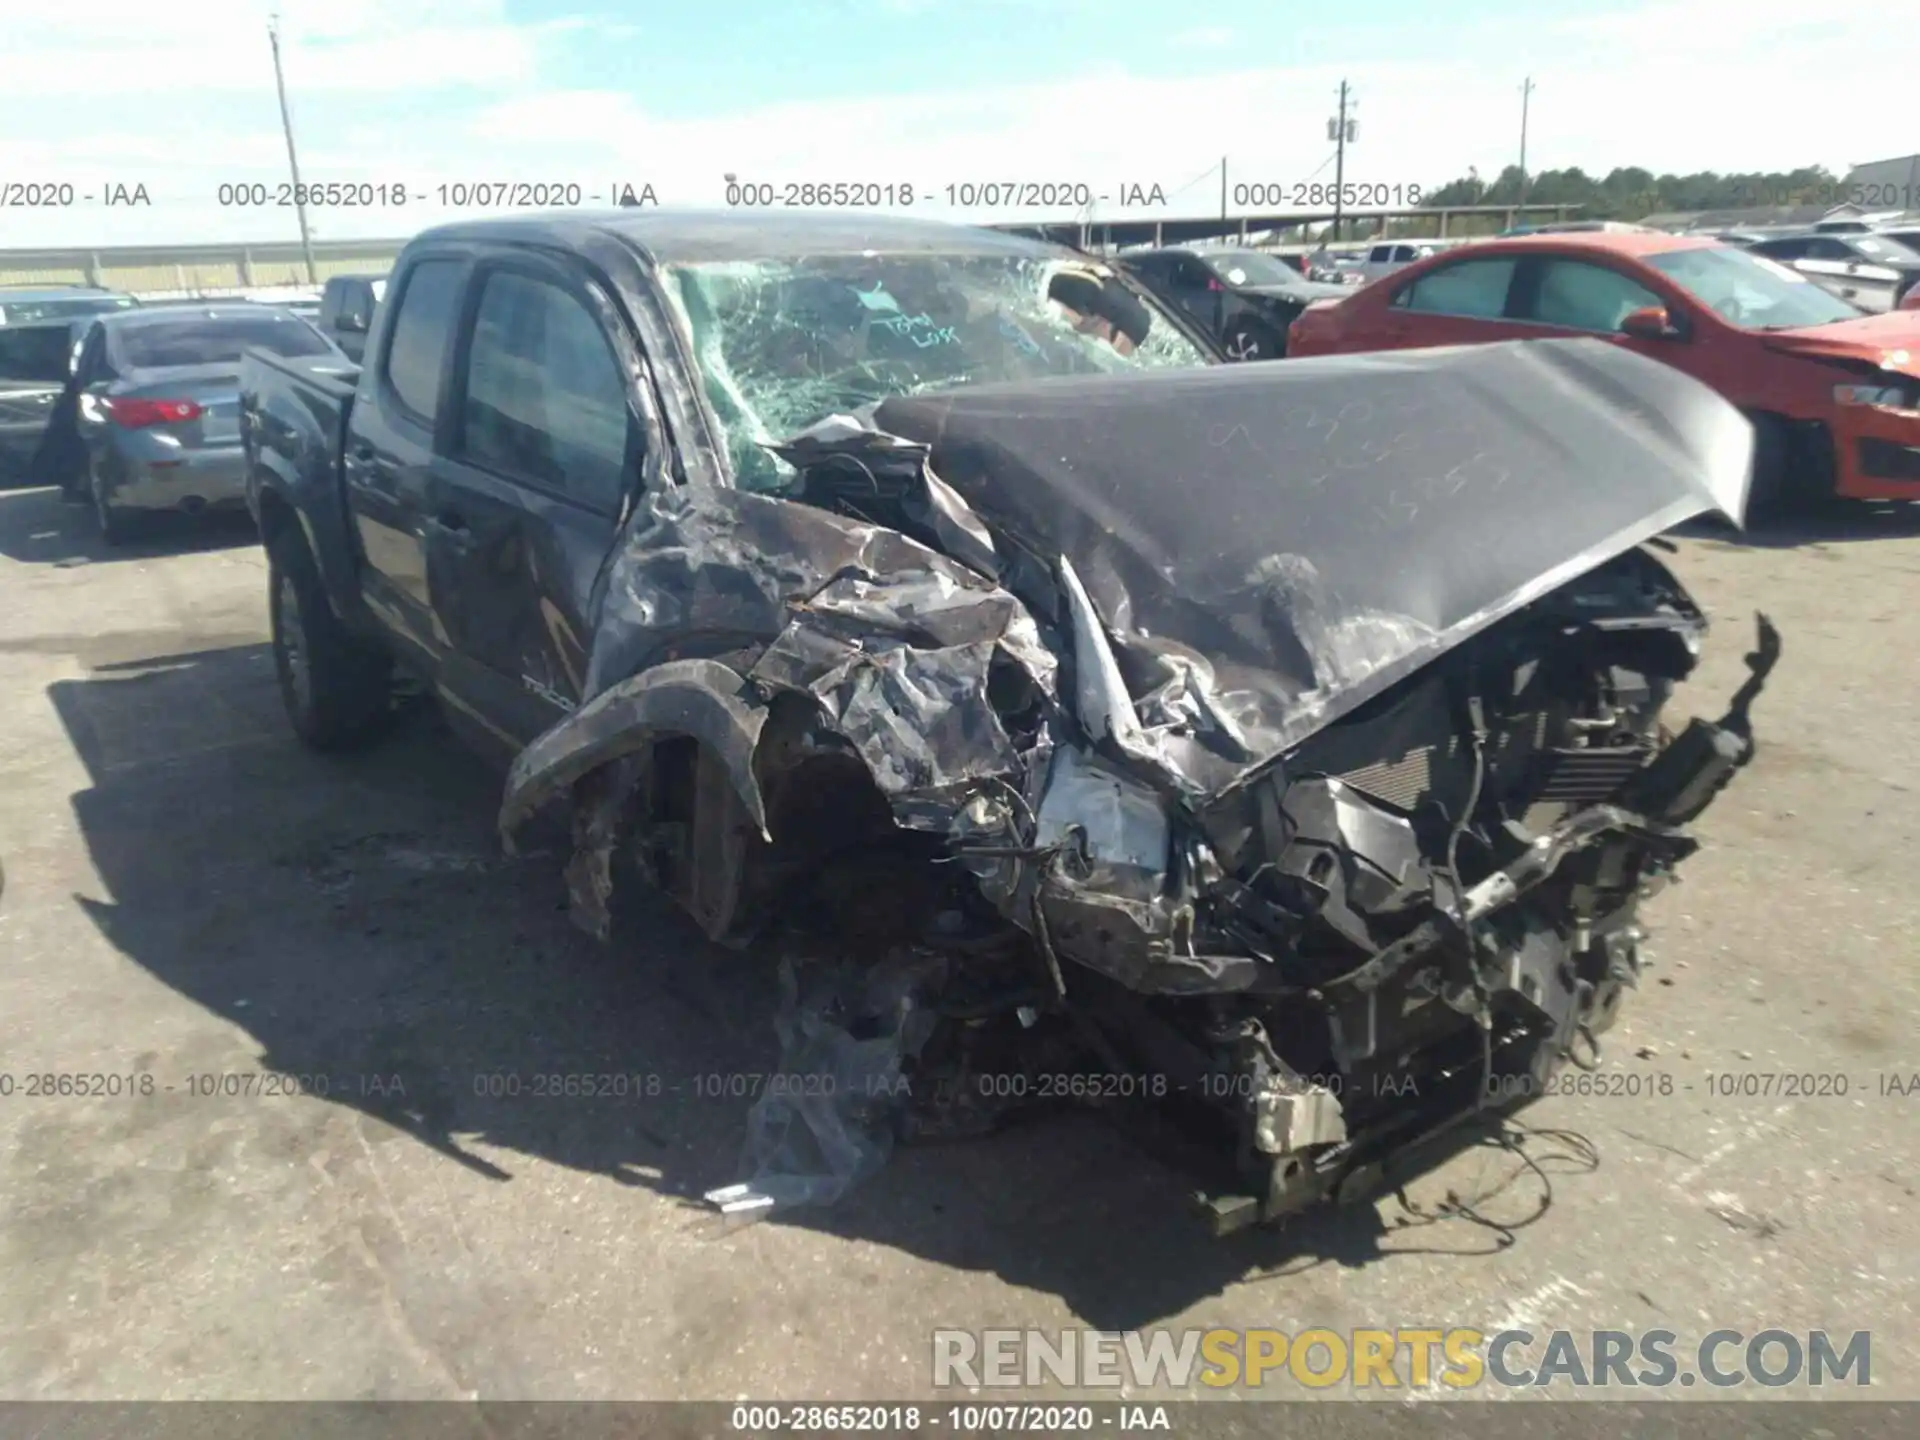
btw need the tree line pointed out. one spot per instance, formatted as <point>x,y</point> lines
<point>1631,193</point>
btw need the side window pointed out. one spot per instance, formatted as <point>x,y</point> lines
<point>1827,249</point>
<point>1476,289</point>
<point>1587,297</point>
<point>1403,254</point>
<point>546,399</point>
<point>419,341</point>
<point>1190,274</point>
<point>1783,249</point>
<point>1380,255</point>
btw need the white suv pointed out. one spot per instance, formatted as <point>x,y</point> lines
<point>1384,259</point>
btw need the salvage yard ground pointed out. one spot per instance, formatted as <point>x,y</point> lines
<point>189,894</point>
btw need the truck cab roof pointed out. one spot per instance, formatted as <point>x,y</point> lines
<point>670,237</point>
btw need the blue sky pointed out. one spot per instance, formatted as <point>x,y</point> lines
<point>932,91</point>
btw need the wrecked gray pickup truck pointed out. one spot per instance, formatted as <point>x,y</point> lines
<point>1278,743</point>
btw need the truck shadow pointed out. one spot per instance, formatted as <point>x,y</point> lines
<point>357,919</point>
<point>37,528</point>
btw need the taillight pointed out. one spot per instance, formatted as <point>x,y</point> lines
<point>132,414</point>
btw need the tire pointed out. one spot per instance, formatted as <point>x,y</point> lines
<point>336,687</point>
<point>1792,471</point>
<point>1252,340</point>
<point>116,526</point>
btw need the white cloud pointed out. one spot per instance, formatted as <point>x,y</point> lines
<point>119,52</point>
<point>1626,88</point>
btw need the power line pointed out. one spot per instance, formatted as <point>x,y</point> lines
<point>1321,166</point>
<point>1203,175</point>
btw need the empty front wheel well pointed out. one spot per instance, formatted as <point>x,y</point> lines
<point>837,862</point>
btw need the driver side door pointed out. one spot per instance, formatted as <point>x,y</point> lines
<point>1197,290</point>
<point>544,452</point>
<point>1580,297</point>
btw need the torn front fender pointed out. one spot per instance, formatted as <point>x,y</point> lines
<point>702,699</point>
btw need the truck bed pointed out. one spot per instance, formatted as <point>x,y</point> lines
<point>293,422</point>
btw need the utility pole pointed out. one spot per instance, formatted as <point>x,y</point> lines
<point>1340,130</point>
<point>293,160</point>
<point>1526,94</point>
<point>1223,194</point>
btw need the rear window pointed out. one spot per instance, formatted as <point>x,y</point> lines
<point>198,340</point>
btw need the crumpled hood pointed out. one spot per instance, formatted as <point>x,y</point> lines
<point>1269,546</point>
<point>1890,341</point>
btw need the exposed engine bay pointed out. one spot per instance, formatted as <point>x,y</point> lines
<point>1293,770</point>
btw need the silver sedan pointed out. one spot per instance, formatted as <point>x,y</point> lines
<point>156,401</point>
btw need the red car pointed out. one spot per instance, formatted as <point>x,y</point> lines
<point>1834,394</point>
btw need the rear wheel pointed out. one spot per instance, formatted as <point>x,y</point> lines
<point>1792,470</point>
<point>336,687</point>
<point>1252,340</point>
<point>116,526</point>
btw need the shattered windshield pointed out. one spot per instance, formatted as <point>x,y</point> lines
<point>782,344</point>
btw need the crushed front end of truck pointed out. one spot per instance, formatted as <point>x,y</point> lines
<point>1278,745</point>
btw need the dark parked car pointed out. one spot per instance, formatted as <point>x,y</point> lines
<point>1244,299</point>
<point>37,304</point>
<point>921,598</point>
<point>35,361</point>
<point>149,418</point>
<point>1874,272</point>
<point>346,310</point>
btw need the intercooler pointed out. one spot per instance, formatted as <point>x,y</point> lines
<point>1521,766</point>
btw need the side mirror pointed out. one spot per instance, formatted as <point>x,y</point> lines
<point>1650,323</point>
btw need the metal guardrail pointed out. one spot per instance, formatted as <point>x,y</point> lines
<point>194,270</point>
